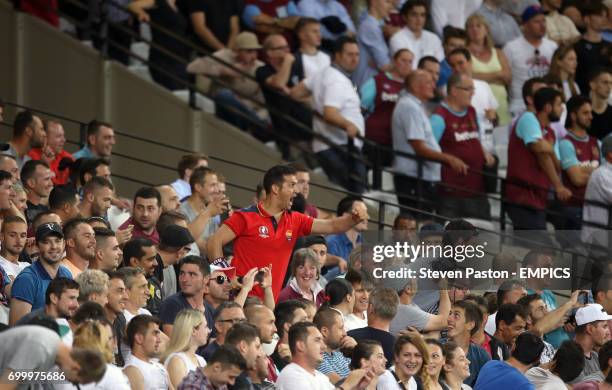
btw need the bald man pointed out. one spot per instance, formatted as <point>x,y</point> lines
<point>170,199</point>
<point>412,134</point>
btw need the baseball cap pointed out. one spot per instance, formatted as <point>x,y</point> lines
<point>530,12</point>
<point>175,236</point>
<point>4,147</point>
<point>47,229</point>
<point>247,41</point>
<point>230,272</point>
<point>606,145</point>
<point>591,313</point>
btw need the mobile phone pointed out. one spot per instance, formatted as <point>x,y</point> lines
<point>583,298</point>
<point>259,276</point>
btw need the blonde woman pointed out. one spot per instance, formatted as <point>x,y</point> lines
<point>489,63</point>
<point>411,359</point>
<point>563,66</point>
<point>190,332</point>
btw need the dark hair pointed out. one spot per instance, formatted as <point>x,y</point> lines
<point>326,317</point>
<point>148,193</point>
<point>533,255</point>
<point>505,288</point>
<point>276,176</point>
<point>545,96</point>
<point>36,221</point>
<point>93,128</point>
<point>472,314</point>
<point>456,230</point>
<point>303,22</point>
<point>22,121</point>
<point>346,205</point>
<point>29,168</point>
<point>528,348</point>
<point>337,290</point>
<point>508,313</point>
<point>58,286</point>
<point>284,312</point>
<point>574,104</point>
<point>363,350</point>
<point>598,71</point>
<point>102,234</point>
<point>448,350</point>
<point>601,284</point>
<point>605,354</point>
<point>341,42</point>
<point>399,52</point>
<point>354,276</point>
<point>139,325</point>
<point>228,356</point>
<point>454,81</point>
<point>89,311</point>
<point>225,306</point>
<point>170,217</point>
<point>461,51</point>
<point>189,161</point>
<point>60,196</point>
<point>198,176</point>
<point>450,32</point>
<point>527,299</point>
<point>133,248</point>
<point>569,361</point>
<point>593,8</point>
<point>89,166</point>
<point>241,332</point>
<point>4,175</point>
<point>426,59</point>
<point>478,300</point>
<point>299,332</point>
<point>405,215</point>
<point>314,240</point>
<point>410,4</point>
<point>12,219</point>
<point>298,203</point>
<point>202,264</point>
<point>71,225</point>
<point>115,275</point>
<point>527,90</point>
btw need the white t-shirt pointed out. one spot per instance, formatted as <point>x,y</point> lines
<point>451,12</point>
<point>128,316</point>
<point>428,44</point>
<point>113,379</point>
<point>351,322</point>
<point>314,63</point>
<point>186,361</point>
<point>154,374</point>
<point>294,377</point>
<point>483,100</point>
<point>490,326</point>
<point>12,269</point>
<point>387,381</point>
<point>332,88</point>
<point>543,379</point>
<point>525,65</point>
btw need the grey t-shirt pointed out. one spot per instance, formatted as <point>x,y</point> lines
<point>409,315</point>
<point>191,214</point>
<point>591,366</point>
<point>169,286</point>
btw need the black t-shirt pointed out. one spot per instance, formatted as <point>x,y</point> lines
<point>590,56</point>
<point>156,297</point>
<point>601,125</point>
<point>33,210</point>
<point>217,14</point>
<point>386,339</point>
<point>174,21</point>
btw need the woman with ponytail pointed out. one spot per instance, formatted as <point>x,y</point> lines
<point>339,296</point>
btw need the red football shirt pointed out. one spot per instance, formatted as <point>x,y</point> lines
<point>61,177</point>
<point>261,241</point>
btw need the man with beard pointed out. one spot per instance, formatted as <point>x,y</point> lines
<point>170,200</point>
<point>532,163</point>
<point>245,338</point>
<point>30,286</point>
<point>64,202</point>
<point>142,369</point>
<point>53,152</point>
<point>36,178</point>
<point>146,212</point>
<point>28,133</point>
<point>113,310</point>
<point>80,246</point>
<point>592,333</point>
<point>141,253</point>
<point>97,198</point>
<point>14,234</point>
<point>108,253</point>
<point>100,141</point>
<point>335,365</point>
<point>60,304</point>
<point>262,317</point>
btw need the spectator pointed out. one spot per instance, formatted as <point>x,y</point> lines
<point>456,368</point>
<point>14,233</point>
<point>180,358</point>
<point>481,338</point>
<point>601,86</point>
<point>331,325</point>
<point>113,310</point>
<point>374,55</point>
<point>251,229</point>
<point>286,314</point>
<point>170,200</point>
<point>343,120</point>
<point>379,94</point>
<point>28,133</point>
<point>145,214</point>
<point>592,332</point>
<point>36,179</point>
<point>8,163</point>
<point>64,202</point>
<point>136,286</point>
<point>361,287</point>
<point>563,66</point>
<point>529,55</point>
<point>454,38</point>
<point>490,65</point>
<point>559,27</point>
<point>503,27</point>
<point>194,273</point>
<point>185,168</point>
<point>305,272</point>
<point>591,49</point>
<point>214,25</point>
<point>531,162</point>
<point>579,155</point>
<point>231,86</point>
<point>463,322</point>
<point>30,286</point>
<point>142,369</point>
<point>108,252</point>
<point>308,55</point>
<point>221,370</point>
<point>414,37</point>
<point>432,66</point>
<point>246,340</point>
<point>435,352</point>
<point>413,134</point>
<point>454,124</point>
<point>262,317</point>
<point>602,292</point>
<point>409,315</point>
<point>142,253</point>
<point>566,366</point>
<point>53,151</point>
<point>21,199</point>
<point>411,360</point>
<point>405,228</point>
<point>227,315</point>
<point>340,297</point>
<point>279,17</point>
<point>93,287</point>
<point>511,373</point>
<point>342,244</point>
<point>335,20</point>
<point>97,197</point>
<point>80,246</point>
<point>510,321</point>
<point>447,13</point>
<point>175,243</point>
<point>100,141</point>
<point>303,187</point>
<point>368,354</point>
<point>382,308</point>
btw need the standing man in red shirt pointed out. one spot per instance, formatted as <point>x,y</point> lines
<point>53,152</point>
<point>266,233</point>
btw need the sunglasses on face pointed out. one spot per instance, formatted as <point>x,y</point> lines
<point>221,279</point>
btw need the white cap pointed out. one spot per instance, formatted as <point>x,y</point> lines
<point>230,272</point>
<point>591,313</point>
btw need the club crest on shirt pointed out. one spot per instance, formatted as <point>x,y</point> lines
<point>289,235</point>
<point>263,232</point>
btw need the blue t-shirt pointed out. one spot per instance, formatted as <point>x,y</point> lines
<point>339,245</point>
<point>172,305</point>
<point>31,284</point>
<point>500,375</point>
<point>478,358</point>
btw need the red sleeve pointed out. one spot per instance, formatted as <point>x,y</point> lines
<point>236,223</point>
<point>305,224</point>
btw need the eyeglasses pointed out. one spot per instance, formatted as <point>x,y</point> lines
<point>234,321</point>
<point>220,279</point>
